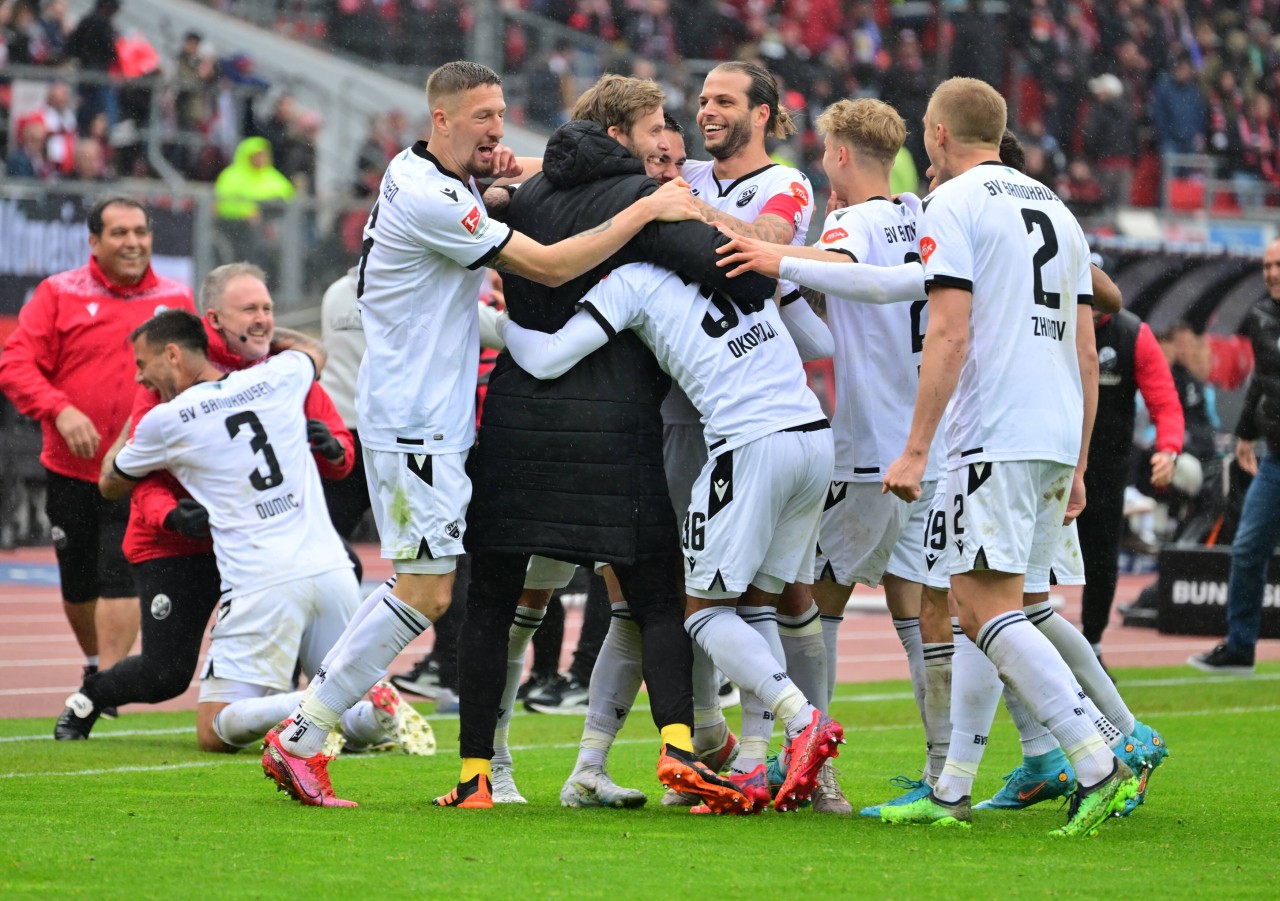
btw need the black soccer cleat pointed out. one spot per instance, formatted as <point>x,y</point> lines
<point>109,712</point>
<point>77,719</point>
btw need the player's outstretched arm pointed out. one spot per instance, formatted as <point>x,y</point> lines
<point>1106,295</point>
<point>858,282</point>
<point>741,255</point>
<point>945,345</point>
<point>812,337</point>
<point>555,264</point>
<point>287,339</point>
<point>768,227</point>
<point>550,355</point>
<point>113,484</point>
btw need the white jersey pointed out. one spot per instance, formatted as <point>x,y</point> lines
<point>878,346</point>
<point>774,188</point>
<point>343,337</point>
<point>239,446</point>
<point>425,246</point>
<point>737,363</point>
<point>1010,241</point>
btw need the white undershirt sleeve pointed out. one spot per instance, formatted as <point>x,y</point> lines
<point>812,337</point>
<point>857,282</point>
<point>549,356</point>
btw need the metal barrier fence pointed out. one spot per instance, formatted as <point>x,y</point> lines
<point>1195,181</point>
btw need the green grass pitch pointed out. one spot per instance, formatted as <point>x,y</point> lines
<point>138,812</point>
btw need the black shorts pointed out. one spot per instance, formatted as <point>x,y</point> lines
<point>88,538</point>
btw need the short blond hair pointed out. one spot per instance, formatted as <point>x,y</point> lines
<point>619,100</point>
<point>869,127</point>
<point>972,110</point>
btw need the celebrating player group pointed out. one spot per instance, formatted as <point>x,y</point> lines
<point>650,417</point>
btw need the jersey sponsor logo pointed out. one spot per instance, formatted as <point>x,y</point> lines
<point>745,197</point>
<point>800,193</point>
<point>834,235</point>
<point>927,247</point>
<point>161,606</point>
<point>471,221</point>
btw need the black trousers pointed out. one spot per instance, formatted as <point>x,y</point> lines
<point>177,595</point>
<point>348,498</point>
<point>1101,526</point>
<point>656,594</point>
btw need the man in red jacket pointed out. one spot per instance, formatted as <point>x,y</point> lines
<point>69,365</point>
<point>167,541</point>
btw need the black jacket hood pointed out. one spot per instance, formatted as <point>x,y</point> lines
<point>580,151</point>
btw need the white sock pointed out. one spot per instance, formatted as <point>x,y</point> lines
<point>92,660</point>
<point>831,639</point>
<point>243,723</point>
<point>359,659</point>
<point>709,726</point>
<point>937,706</point>
<point>1079,655</point>
<point>615,682</point>
<point>975,694</point>
<point>361,726</point>
<point>805,653</point>
<point>744,656</point>
<point>1029,664</point>
<point>1036,739</point>
<point>526,622</point>
<point>757,718</point>
<point>909,634</point>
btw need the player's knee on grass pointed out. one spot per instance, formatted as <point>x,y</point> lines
<point>206,735</point>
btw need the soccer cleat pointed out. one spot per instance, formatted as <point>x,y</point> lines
<point>474,794</point>
<point>1224,660</point>
<point>592,787</point>
<point>398,719</point>
<point>1153,751</point>
<point>91,669</point>
<point>423,680</point>
<point>928,811</point>
<point>776,770</point>
<point>755,785</point>
<point>673,798</point>
<point>334,744</point>
<point>305,779</point>
<point>828,797</point>
<point>915,790</point>
<point>503,788</point>
<point>718,759</point>
<point>1090,809</point>
<point>681,770</point>
<point>1024,787</point>
<point>819,742</point>
<point>561,695</point>
<point>76,721</point>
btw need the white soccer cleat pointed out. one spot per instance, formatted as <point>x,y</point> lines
<point>398,719</point>
<point>334,744</point>
<point>502,785</point>
<point>592,787</point>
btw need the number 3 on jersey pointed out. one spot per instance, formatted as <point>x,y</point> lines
<point>259,445</point>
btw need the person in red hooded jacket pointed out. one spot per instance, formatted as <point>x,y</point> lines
<point>69,365</point>
<point>167,541</point>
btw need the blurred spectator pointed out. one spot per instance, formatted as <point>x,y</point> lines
<point>1035,135</point>
<point>977,47</point>
<point>1178,109</point>
<point>1258,161</point>
<point>90,161</point>
<point>907,86</point>
<point>59,117</point>
<point>27,159</point>
<point>1109,139</point>
<point>652,32</point>
<point>1079,189</point>
<point>277,127</point>
<point>241,188</point>
<point>93,45</point>
<point>26,40</point>
<point>56,28</point>
<point>196,71</point>
<point>551,88</point>
<point>1180,344</point>
<point>298,156</point>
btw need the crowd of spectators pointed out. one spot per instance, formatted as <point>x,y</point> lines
<point>87,119</point>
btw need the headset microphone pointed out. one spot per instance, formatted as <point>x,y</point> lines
<point>244,339</point>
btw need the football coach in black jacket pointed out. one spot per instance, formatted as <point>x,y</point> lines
<point>572,468</point>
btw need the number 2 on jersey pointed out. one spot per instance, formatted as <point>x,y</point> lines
<point>917,311</point>
<point>1047,251</point>
<point>259,445</point>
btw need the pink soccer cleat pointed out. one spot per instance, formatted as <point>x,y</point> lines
<point>305,779</point>
<point>819,741</point>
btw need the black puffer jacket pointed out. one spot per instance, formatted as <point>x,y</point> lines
<point>572,468</point>
<point>1260,417</point>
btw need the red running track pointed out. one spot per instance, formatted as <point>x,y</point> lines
<point>40,661</point>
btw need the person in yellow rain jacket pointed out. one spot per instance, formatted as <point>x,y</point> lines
<point>241,188</point>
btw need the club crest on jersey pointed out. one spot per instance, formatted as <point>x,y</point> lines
<point>471,221</point>
<point>745,197</point>
<point>800,193</point>
<point>834,235</point>
<point>161,606</point>
<point>927,247</point>
<point>453,531</point>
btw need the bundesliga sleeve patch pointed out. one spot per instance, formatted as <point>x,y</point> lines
<point>471,221</point>
<point>836,234</point>
<point>927,247</point>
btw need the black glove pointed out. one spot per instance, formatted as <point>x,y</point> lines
<point>323,442</point>
<point>188,518</point>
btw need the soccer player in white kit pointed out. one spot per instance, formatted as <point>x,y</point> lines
<point>752,520</point>
<point>1005,265</point>
<point>238,444</point>
<point>426,244</point>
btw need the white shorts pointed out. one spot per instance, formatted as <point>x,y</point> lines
<point>754,515</point>
<point>259,638</point>
<point>419,504</point>
<point>1068,563</point>
<point>544,573</point>
<point>684,453</point>
<point>907,559</point>
<point>1007,516</point>
<point>932,547</point>
<point>859,528</point>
